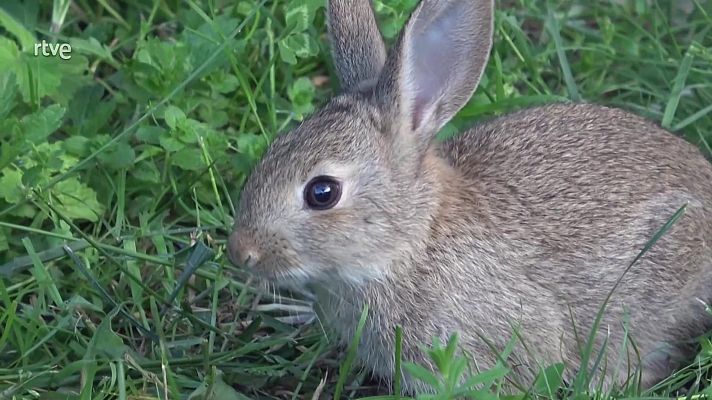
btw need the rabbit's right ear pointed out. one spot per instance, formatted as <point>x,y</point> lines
<point>356,44</point>
<point>435,67</point>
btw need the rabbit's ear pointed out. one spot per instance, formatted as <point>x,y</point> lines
<point>356,44</point>
<point>436,64</point>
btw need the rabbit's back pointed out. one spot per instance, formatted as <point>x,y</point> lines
<point>570,170</point>
<point>603,147</point>
<point>583,188</point>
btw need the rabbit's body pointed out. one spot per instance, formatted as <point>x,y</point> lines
<point>525,221</point>
<point>535,193</point>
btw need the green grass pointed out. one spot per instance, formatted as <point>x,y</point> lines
<point>120,167</point>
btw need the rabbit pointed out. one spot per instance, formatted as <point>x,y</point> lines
<point>520,225</point>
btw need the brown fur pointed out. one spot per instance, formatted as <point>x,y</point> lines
<point>525,220</point>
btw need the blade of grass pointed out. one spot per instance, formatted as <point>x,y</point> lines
<point>552,26</point>
<point>692,118</point>
<point>319,348</point>
<point>676,93</point>
<point>399,353</point>
<point>114,14</point>
<point>345,368</point>
<point>45,281</point>
<point>100,289</point>
<point>582,377</point>
<point>59,14</point>
<point>199,255</point>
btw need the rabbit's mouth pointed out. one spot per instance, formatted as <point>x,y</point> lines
<point>277,271</point>
<point>273,262</point>
<point>283,275</point>
<point>286,275</point>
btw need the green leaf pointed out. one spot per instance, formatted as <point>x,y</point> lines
<point>170,143</point>
<point>89,111</point>
<point>297,17</point>
<point>244,8</point>
<point>12,148</point>
<point>9,55</point>
<point>77,302</point>
<point>298,45</point>
<point>173,116</point>
<point>455,371</point>
<point>76,145</point>
<point>26,38</point>
<point>303,45</point>
<point>11,186</point>
<point>121,155</point>
<point>216,142</point>
<point>301,94</point>
<point>8,92</point>
<point>300,17</point>
<point>199,255</point>
<point>4,245</point>
<point>189,159</point>
<point>514,397</point>
<point>487,377</point>
<point>91,46</point>
<point>147,172</point>
<point>38,126</point>
<point>242,164</point>
<point>423,374</point>
<point>447,131</point>
<point>440,355</point>
<point>150,134</point>
<point>251,145</point>
<point>451,347</point>
<point>224,83</point>
<point>106,343</point>
<point>189,130</point>
<point>77,201</point>
<point>158,68</point>
<point>51,76</point>
<point>33,176</point>
<point>287,54</point>
<point>482,394</point>
<point>393,15</point>
<point>203,42</point>
<point>549,380</point>
<point>216,389</point>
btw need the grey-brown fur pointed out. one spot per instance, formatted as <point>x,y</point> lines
<point>356,45</point>
<point>524,220</point>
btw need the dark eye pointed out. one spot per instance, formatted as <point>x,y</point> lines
<point>322,193</point>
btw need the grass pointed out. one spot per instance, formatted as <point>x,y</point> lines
<point>119,169</point>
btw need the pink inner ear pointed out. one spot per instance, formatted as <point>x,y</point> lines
<point>435,53</point>
<point>417,115</point>
<point>429,73</point>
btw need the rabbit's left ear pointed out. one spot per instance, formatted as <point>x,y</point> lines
<point>356,44</point>
<point>436,65</point>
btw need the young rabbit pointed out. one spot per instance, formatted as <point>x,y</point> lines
<point>525,221</point>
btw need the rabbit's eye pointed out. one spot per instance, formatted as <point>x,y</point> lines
<point>322,193</point>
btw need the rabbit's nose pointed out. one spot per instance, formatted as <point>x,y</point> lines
<point>242,251</point>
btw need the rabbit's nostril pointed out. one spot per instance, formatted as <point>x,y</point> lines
<point>242,252</point>
<point>250,259</point>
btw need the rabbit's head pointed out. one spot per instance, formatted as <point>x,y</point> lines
<point>355,186</point>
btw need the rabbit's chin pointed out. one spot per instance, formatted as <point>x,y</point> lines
<point>298,277</point>
<point>293,277</point>
<point>303,279</point>
<point>353,276</point>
